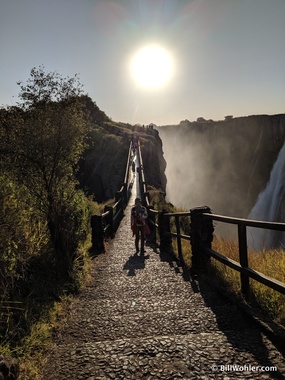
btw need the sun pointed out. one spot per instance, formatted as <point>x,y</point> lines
<point>152,67</point>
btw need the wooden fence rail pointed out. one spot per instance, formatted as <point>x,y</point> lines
<point>201,235</point>
<point>242,266</point>
<point>142,181</point>
<point>106,224</point>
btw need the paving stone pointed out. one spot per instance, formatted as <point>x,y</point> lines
<point>139,319</point>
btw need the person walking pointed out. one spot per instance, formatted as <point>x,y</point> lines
<point>138,224</point>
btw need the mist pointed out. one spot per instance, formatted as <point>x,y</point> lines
<point>224,165</point>
<point>202,172</point>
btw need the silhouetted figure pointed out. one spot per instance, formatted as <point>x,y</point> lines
<point>134,144</point>
<point>138,225</point>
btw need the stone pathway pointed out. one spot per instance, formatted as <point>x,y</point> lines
<point>139,319</point>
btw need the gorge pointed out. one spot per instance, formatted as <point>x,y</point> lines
<point>224,164</point>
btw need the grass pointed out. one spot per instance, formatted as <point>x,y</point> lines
<point>270,263</point>
<point>30,351</point>
<point>32,348</point>
<point>186,251</point>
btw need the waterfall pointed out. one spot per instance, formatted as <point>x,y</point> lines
<point>270,207</point>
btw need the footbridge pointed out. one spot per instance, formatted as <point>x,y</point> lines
<point>146,317</point>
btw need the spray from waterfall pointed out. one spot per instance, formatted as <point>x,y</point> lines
<point>270,206</point>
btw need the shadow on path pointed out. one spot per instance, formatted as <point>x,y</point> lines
<point>174,263</point>
<point>134,263</point>
<point>240,331</point>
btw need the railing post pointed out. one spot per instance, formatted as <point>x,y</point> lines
<point>109,220</point>
<point>151,224</point>
<point>201,236</point>
<point>164,232</point>
<point>126,179</point>
<point>125,195</point>
<point>243,259</point>
<point>146,198</point>
<point>97,233</point>
<point>119,198</point>
<point>179,246</point>
<point>119,209</point>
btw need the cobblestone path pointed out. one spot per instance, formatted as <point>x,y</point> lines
<point>139,319</point>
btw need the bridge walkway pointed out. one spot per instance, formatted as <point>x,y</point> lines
<point>140,319</point>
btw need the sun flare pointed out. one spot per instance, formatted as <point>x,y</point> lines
<point>152,67</point>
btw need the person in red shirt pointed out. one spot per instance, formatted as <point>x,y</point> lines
<point>138,224</point>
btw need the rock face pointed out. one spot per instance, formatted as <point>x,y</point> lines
<point>102,169</point>
<point>153,160</point>
<point>223,164</point>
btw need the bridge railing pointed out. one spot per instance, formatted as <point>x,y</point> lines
<point>201,236</point>
<point>242,266</point>
<point>142,181</point>
<point>106,224</point>
<point>151,221</point>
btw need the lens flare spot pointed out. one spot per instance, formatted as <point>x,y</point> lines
<point>152,67</point>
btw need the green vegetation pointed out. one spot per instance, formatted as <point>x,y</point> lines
<point>61,159</point>
<point>103,165</point>
<point>44,215</point>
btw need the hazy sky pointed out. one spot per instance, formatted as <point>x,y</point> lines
<point>228,56</point>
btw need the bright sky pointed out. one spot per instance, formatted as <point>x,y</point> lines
<point>204,58</point>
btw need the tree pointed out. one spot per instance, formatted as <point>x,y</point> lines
<point>44,87</point>
<point>45,138</point>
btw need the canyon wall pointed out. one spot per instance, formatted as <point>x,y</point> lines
<point>103,166</point>
<point>222,164</point>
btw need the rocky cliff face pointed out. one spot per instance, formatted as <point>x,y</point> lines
<point>224,164</point>
<point>103,166</point>
<point>153,160</point>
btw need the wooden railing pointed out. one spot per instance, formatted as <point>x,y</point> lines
<point>142,181</point>
<point>201,236</point>
<point>106,224</point>
<point>242,265</point>
<point>113,214</point>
